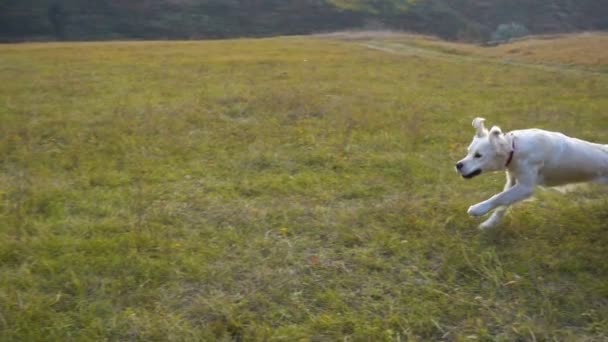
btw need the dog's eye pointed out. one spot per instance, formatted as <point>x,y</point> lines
<point>477,155</point>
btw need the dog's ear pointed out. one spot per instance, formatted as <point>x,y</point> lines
<point>498,140</point>
<point>481,130</point>
<point>495,131</point>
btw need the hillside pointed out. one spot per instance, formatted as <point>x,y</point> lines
<point>462,20</point>
<point>587,51</point>
<point>289,189</point>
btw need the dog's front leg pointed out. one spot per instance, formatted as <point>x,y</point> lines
<point>524,188</point>
<point>515,194</point>
<point>500,212</point>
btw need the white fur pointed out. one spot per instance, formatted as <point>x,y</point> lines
<point>539,158</point>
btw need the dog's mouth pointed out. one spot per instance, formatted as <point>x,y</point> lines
<point>472,174</point>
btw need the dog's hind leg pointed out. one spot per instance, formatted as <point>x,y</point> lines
<point>499,212</point>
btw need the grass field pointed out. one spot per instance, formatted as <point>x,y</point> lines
<point>289,189</point>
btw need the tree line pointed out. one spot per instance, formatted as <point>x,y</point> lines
<point>467,20</point>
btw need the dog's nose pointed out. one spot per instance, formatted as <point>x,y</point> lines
<point>459,166</point>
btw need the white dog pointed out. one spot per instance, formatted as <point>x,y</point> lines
<point>530,157</point>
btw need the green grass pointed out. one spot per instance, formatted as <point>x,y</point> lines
<point>284,189</point>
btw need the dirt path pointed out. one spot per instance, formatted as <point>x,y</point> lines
<point>413,50</point>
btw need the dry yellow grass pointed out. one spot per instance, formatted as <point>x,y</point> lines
<point>585,49</point>
<point>588,50</point>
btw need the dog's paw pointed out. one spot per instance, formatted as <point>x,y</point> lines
<point>478,209</point>
<point>487,224</point>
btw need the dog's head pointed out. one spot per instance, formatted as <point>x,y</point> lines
<point>487,152</point>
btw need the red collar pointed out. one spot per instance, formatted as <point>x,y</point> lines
<point>511,153</point>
